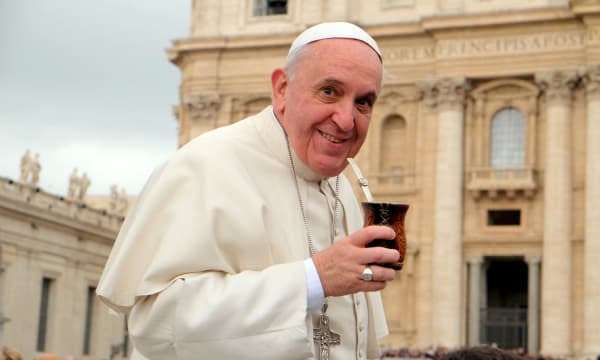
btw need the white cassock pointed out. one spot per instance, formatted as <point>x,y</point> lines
<point>209,263</point>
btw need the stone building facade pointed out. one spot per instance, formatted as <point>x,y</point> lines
<point>52,252</point>
<point>488,126</point>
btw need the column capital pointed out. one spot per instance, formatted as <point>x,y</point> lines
<point>590,76</point>
<point>533,259</point>
<point>202,106</point>
<point>428,92</point>
<point>557,85</point>
<point>447,92</point>
<point>475,260</point>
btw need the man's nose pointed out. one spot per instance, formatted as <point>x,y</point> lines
<point>344,115</point>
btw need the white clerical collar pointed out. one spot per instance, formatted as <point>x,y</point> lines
<point>275,138</point>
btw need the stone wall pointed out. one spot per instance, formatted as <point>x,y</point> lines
<point>45,236</point>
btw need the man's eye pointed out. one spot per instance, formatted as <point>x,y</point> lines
<point>329,91</point>
<point>363,104</point>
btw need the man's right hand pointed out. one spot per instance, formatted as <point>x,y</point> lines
<point>340,266</point>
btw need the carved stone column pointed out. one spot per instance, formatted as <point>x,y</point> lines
<point>474,300</point>
<point>533,304</point>
<point>447,246</point>
<point>558,189</point>
<point>424,289</point>
<point>591,274</point>
<point>2,295</point>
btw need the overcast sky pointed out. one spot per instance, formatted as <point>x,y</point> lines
<point>87,84</point>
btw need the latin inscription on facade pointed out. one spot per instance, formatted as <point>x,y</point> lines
<point>495,46</point>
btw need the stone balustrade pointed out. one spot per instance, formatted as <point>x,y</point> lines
<point>389,183</point>
<point>486,181</point>
<point>35,201</point>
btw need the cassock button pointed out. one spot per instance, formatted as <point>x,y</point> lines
<point>361,327</point>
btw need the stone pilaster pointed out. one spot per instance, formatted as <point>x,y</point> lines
<point>558,189</point>
<point>474,300</point>
<point>447,246</point>
<point>479,120</point>
<point>591,275</point>
<point>533,304</point>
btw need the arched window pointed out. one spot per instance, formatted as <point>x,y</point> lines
<point>508,139</point>
<point>393,146</point>
<point>256,105</point>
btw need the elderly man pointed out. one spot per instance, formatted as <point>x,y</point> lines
<point>248,243</point>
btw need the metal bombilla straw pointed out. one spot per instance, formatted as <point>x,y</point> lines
<point>362,181</point>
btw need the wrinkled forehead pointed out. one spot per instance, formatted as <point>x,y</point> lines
<point>332,58</point>
<point>333,30</point>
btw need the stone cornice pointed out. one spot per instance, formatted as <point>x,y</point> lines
<point>557,85</point>
<point>183,46</point>
<point>524,16</point>
<point>34,202</point>
<point>585,7</point>
<point>425,26</point>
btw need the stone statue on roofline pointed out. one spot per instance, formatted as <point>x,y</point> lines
<point>84,184</point>
<point>25,164</point>
<point>73,184</point>
<point>78,186</point>
<point>118,200</point>
<point>30,169</point>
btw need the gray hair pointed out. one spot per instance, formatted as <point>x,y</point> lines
<point>296,55</point>
<point>293,60</point>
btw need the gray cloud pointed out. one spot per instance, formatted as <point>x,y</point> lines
<point>88,84</point>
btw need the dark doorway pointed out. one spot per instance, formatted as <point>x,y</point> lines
<point>504,312</point>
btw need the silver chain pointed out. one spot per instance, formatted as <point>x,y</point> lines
<point>309,237</point>
<point>323,346</point>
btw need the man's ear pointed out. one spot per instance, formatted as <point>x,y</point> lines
<point>279,83</point>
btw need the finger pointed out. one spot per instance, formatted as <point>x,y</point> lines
<point>367,286</point>
<point>377,283</point>
<point>380,273</point>
<point>378,255</point>
<point>367,234</point>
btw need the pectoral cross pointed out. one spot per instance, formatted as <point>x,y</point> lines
<point>323,336</point>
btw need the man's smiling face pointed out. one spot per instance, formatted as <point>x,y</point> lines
<point>325,106</point>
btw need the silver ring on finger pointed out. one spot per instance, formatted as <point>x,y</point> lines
<point>367,274</point>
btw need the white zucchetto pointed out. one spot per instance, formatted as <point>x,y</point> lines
<point>332,30</point>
